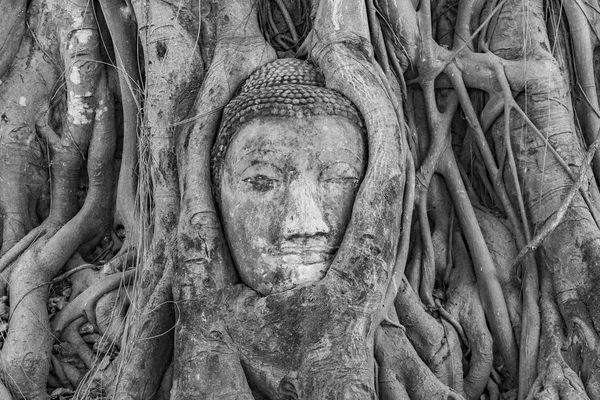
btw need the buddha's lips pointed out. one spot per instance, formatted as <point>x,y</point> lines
<point>306,258</point>
<point>309,253</point>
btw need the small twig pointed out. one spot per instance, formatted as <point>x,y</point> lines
<point>428,260</point>
<point>513,170</point>
<point>513,105</point>
<point>454,322</point>
<point>195,117</point>
<point>65,275</point>
<point>396,66</point>
<point>377,37</point>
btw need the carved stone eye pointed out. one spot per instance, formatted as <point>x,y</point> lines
<point>340,172</point>
<point>261,183</point>
<point>262,176</point>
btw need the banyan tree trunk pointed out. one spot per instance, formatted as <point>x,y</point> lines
<point>469,267</point>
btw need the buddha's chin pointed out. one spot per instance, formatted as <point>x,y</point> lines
<point>289,273</point>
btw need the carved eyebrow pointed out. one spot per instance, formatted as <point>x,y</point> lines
<point>339,150</point>
<point>275,167</point>
<point>330,166</point>
<point>244,155</point>
<point>254,149</point>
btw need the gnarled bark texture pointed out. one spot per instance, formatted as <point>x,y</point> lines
<point>470,265</point>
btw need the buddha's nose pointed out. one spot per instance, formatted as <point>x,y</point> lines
<point>303,214</point>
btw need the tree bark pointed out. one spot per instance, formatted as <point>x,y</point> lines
<point>468,267</point>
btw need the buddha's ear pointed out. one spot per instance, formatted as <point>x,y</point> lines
<point>343,51</point>
<point>205,262</point>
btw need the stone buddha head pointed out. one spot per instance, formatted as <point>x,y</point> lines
<point>287,163</point>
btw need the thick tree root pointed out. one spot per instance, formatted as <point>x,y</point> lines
<point>144,362</point>
<point>556,379</point>
<point>71,335</point>
<point>85,303</point>
<point>402,374</point>
<point>464,303</point>
<point>436,343</point>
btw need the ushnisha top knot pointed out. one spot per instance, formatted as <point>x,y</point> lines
<point>287,87</point>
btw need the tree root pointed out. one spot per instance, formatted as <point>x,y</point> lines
<point>503,249</point>
<point>58,370</point>
<point>122,25</point>
<point>144,360</point>
<point>556,380</point>
<point>239,50</point>
<point>85,303</point>
<point>111,310</point>
<point>465,305</point>
<point>435,343</point>
<point>71,335</point>
<point>551,225</point>
<point>12,29</point>
<point>402,374</point>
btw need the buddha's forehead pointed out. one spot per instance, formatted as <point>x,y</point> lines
<point>320,136</point>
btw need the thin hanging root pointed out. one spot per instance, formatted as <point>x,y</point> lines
<point>511,104</point>
<point>561,161</point>
<point>469,187</point>
<point>530,331</point>
<point>490,291</point>
<point>413,269</point>
<point>288,20</point>
<point>549,226</point>
<point>85,303</point>
<point>455,77</point>
<point>70,272</point>
<point>396,67</point>
<point>453,321</point>
<point>483,178</point>
<point>530,328</point>
<point>377,41</point>
<point>271,21</point>
<point>428,260</point>
<point>513,170</point>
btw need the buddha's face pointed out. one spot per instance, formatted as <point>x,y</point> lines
<point>287,190</point>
